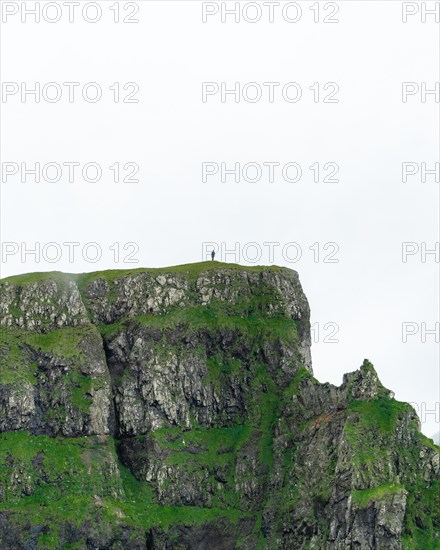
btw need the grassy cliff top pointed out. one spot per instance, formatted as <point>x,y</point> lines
<point>193,270</point>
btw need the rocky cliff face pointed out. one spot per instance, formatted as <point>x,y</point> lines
<point>176,409</point>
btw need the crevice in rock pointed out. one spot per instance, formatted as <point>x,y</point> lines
<point>115,424</point>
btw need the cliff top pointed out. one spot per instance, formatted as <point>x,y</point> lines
<point>194,269</point>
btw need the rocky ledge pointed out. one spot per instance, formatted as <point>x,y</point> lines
<point>176,408</point>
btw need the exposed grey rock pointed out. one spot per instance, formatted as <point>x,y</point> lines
<point>41,306</point>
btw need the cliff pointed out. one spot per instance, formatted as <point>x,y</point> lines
<point>176,409</point>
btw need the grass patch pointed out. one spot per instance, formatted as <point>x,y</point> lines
<point>21,352</point>
<point>294,387</point>
<point>29,278</point>
<point>15,361</point>
<point>211,318</point>
<point>366,496</point>
<point>380,414</point>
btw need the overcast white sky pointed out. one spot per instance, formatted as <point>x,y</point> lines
<point>170,132</point>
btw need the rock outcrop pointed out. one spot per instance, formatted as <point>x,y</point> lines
<point>177,409</point>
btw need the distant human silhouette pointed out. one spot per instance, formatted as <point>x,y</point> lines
<point>213,255</point>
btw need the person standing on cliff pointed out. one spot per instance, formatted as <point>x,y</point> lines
<point>212,255</point>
